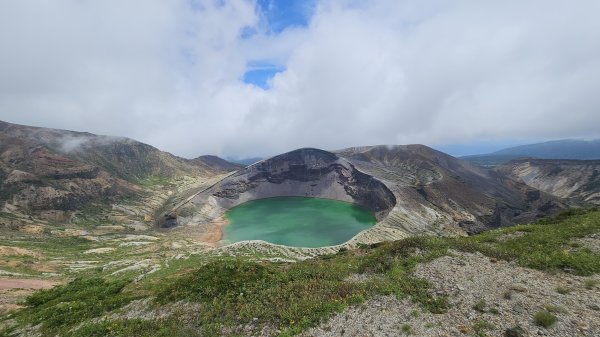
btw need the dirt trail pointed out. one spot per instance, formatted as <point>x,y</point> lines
<point>14,283</point>
<point>13,291</point>
<point>215,232</point>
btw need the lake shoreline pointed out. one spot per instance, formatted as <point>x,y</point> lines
<point>215,231</point>
<point>298,221</point>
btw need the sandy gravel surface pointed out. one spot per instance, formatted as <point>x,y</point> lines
<point>13,291</point>
<point>512,296</point>
<point>14,283</point>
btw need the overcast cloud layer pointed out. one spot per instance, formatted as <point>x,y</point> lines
<point>169,73</point>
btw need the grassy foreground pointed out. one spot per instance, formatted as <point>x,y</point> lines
<point>208,296</point>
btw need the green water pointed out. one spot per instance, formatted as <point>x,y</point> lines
<point>296,221</point>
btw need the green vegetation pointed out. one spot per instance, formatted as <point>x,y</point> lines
<point>407,329</point>
<point>479,306</point>
<point>224,295</point>
<point>65,306</point>
<point>554,309</point>
<point>429,325</point>
<point>51,246</point>
<point>563,290</point>
<point>481,327</point>
<point>155,181</point>
<point>232,293</point>
<point>542,245</point>
<point>590,283</point>
<point>93,214</point>
<point>544,318</point>
<point>300,295</point>
<point>515,331</point>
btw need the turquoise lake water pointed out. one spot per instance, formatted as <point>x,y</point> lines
<point>297,221</point>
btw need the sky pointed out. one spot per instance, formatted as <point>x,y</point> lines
<point>242,78</point>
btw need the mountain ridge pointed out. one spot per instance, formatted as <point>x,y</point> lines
<point>556,149</point>
<point>45,172</point>
<point>432,191</point>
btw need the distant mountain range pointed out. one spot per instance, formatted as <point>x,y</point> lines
<point>244,161</point>
<point>557,149</point>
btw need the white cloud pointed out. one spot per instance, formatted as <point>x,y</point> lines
<point>380,71</point>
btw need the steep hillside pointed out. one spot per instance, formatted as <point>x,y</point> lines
<point>304,172</point>
<point>49,174</point>
<point>439,193</point>
<point>578,180</point>
<point>411,189</point>
<point>122,157</point>
<point>37,181</point>
<point>215,163</point>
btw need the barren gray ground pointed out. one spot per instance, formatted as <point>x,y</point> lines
<point>512,295</point>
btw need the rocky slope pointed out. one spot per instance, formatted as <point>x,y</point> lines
<point>441,194</point>
<point>486,297</point>
<point>577,180</point>
<point>411,189</point>
<point>304,172</point>
<point>48,173</point>
<point>125,158</point>
<point>39,182</point>
<point>216,163</point>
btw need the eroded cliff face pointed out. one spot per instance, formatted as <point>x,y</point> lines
<point>443,195</point>
<point>306,173</point>
<point>576,180</point>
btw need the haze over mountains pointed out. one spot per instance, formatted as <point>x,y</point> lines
<point>557,149</point>
<point>48,173</point>
<point>51,174</point>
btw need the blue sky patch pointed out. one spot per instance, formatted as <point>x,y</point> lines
<point>260,76</point>
<point>281,14</point>
<point>276,16</point>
